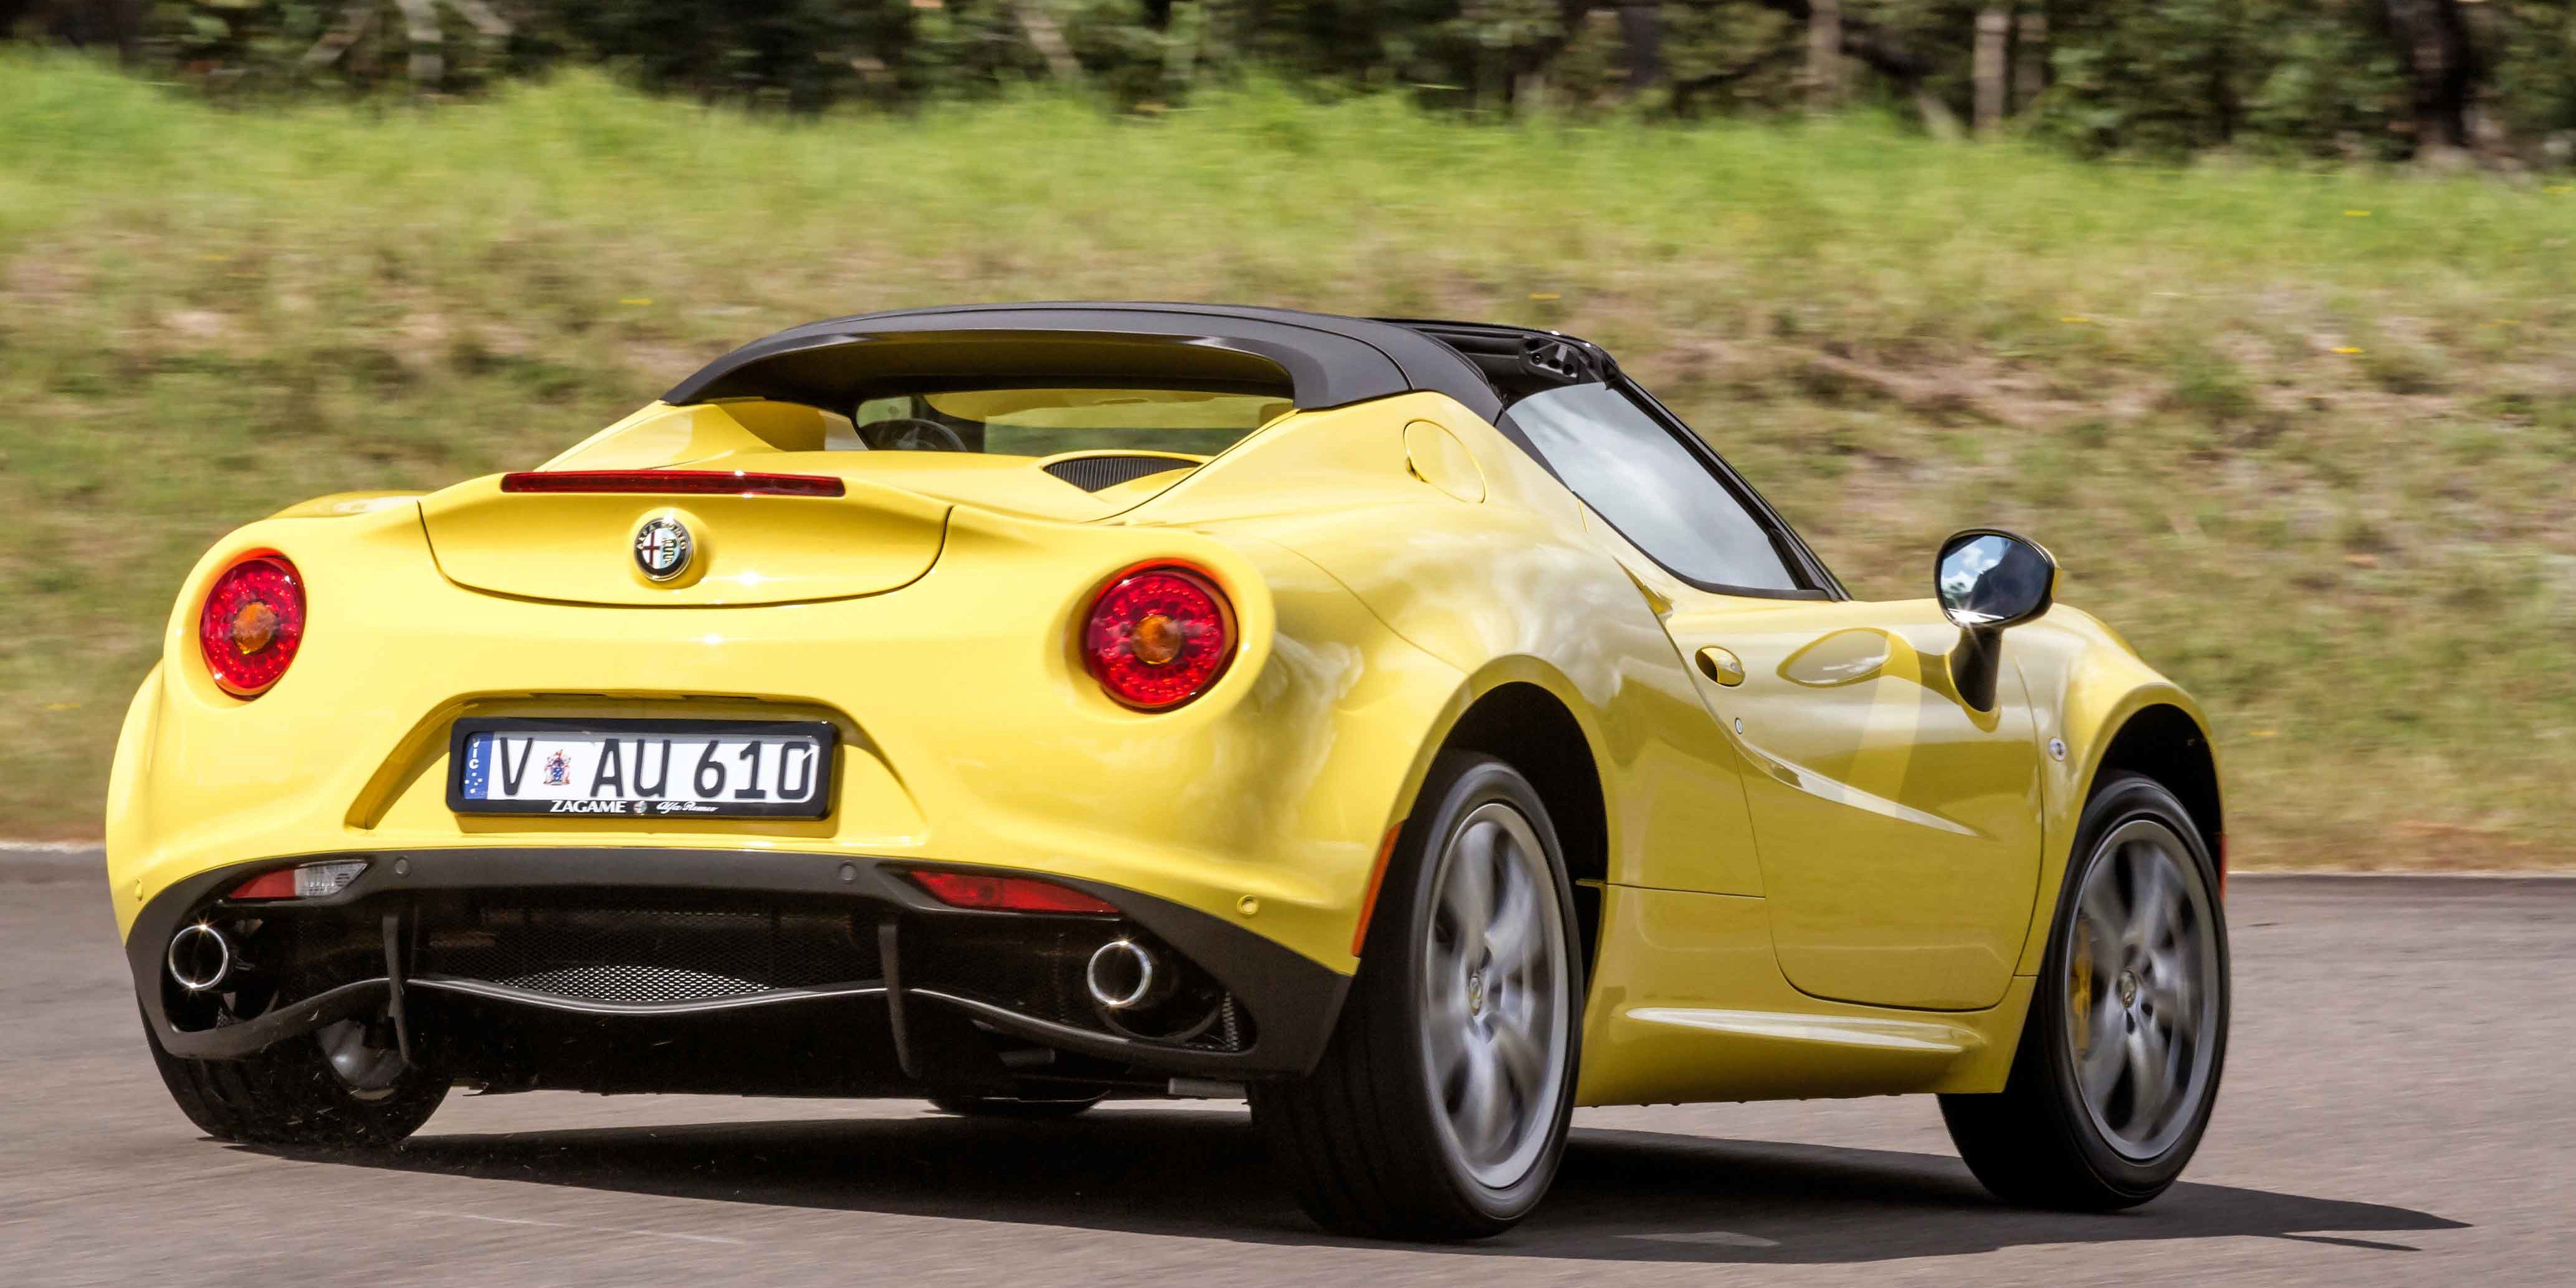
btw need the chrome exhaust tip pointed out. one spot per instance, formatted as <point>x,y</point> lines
<point>1123,974</point>
<point>200,958</point>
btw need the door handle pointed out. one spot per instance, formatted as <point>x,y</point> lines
<point>1722,666</point>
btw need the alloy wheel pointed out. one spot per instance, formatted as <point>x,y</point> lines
<point>1496,1014</point>
<point>2142,989</point>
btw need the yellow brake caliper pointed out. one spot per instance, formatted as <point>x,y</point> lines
<point>2079,993</point>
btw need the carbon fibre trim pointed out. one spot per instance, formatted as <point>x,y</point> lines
<point>1094,473</point>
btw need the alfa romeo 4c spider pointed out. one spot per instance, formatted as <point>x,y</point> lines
<point>1412,727</point>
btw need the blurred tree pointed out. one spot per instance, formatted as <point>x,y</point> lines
<point>427,67</point>
<point>2331,78</point>
<point>2030,57</point>
<point>96,24</point>
<point>2530,69</point>
<point>2432,39</point>
<point>1824,55</point>
<point>1994,48</point>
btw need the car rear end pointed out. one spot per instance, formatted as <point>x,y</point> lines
<point>851,797</point>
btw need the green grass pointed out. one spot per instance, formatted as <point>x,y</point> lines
<point>2315,462</point>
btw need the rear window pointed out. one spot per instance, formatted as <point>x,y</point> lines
<point>1046,422</point>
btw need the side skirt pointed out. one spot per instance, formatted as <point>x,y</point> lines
<point>1688,1004</point>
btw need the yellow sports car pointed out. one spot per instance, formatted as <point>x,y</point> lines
<point>1411,726</point>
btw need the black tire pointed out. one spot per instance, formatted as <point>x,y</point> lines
<point>1365,1140</point>
<point>968,1106</point>
<point>288,1095</point>
<point>2039,1142</point>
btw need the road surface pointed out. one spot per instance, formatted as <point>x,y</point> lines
<point>2399,1108</point>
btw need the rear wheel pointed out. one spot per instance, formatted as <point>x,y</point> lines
<point>291,1093</point>
<point>1439,1109</point>
<point>2120,1058</point>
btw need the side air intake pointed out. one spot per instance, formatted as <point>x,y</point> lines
<point>1094,473</point>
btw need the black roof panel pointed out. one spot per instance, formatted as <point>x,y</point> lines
<point>1317,359</point>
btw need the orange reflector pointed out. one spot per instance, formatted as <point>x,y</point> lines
<point>1377,877</point>
<point>254,626</point>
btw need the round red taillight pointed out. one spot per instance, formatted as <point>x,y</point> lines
<point>252,623</point>
<point>1158,637</point>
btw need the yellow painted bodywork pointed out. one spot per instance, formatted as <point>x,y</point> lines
<point>1845,896</point>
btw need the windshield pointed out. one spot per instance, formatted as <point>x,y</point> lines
<point>1047,422</point>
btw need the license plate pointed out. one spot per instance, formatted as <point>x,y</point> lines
<point>642,768</point>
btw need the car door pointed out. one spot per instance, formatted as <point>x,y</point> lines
<point>1897,829</point>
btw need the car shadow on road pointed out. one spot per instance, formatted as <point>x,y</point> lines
<point>1622,1195</point>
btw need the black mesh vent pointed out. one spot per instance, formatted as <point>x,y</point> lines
<point>636,984</point>
<point>1093,473</point>
<point>647,955</point>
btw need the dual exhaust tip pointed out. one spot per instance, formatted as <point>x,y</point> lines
<point>200,958</point>
<point>1124,975</point>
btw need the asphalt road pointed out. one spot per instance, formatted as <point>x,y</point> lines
<point>2400,1108</point>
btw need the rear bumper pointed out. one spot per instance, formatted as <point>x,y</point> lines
<point>909,990</point>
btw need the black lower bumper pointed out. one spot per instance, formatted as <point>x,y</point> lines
<point>884,988</point>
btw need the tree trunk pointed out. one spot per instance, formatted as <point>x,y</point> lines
<point>1834,38</point>
<point>2030,59</point>
<point>420,26</point>
<point>1048,40</point>
<point>1824,55</point>
<point>1641,37</point>
<point>2432,38</point>
<point>1994,37</point>
<point>486,22</point>
<point>354,23</point>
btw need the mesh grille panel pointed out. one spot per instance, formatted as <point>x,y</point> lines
<point>647,954</point>
<point>636,984</point>
<point>1093,473</point>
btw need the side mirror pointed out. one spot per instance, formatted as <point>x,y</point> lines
<point>1988,579</point>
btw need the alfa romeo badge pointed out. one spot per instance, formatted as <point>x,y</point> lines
<point>662,548</point>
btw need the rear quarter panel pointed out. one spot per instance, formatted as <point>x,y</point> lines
<point>1507,587</point>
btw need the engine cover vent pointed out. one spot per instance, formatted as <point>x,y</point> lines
<point>1095,473</point>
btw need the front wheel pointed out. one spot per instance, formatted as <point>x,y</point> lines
<point>1439,1108</point>
<point>2119,1060</point>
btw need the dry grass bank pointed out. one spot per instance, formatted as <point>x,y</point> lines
<point>2308,439</point>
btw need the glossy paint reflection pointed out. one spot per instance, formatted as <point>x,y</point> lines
<point>1799,864</point>
<point>1512,590</point>
<point>1898,829</point>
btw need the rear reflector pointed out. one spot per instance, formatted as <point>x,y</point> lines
<point>1007,894</point>
<point>675,482</point>
<point>310,881</point>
